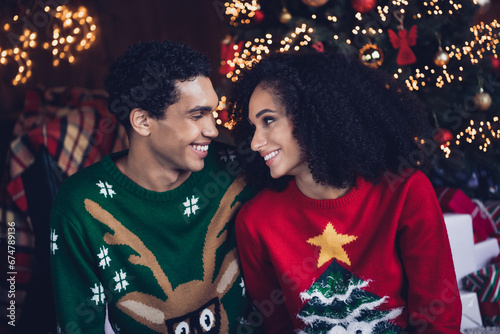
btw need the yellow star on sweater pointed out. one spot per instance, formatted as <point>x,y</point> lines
<point>331,244</point>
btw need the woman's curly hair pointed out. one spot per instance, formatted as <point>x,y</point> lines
<point>350,120</point>
<point>145,75</point>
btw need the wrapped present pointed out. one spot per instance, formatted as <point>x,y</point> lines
<point>471,315</point>
<point>459,229</point>
<point>486,283</point>
<point>493,209</point>
<point>455,200</point>
<point>485,252</point>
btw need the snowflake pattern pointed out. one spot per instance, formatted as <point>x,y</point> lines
<point>104,258</point>
<point>242,284</point>
<point>53,241</point>
<point>106,189</point>
<point>120,279</point>
<point>227,155</point>
<point>98,291</point>
<point>191,205</point>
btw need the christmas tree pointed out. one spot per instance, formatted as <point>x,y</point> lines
<point>337,303</point>
<point>433,46</point>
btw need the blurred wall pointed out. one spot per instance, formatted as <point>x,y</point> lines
<point>120,24</point>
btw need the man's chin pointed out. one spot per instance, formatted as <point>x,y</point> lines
<point>198,167</point>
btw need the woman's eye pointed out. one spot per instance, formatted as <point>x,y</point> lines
<point>268,120</point>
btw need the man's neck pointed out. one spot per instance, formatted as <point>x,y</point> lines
<point>154,177</point>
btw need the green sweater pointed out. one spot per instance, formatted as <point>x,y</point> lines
<point>149,261</point>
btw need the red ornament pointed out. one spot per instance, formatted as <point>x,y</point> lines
<point>258,16</point>
<point>363,6</point>
<point>442,137</point>
<point>495,64</point>
<point>402,41</point>
<point>223,116</point>
<point>319,47</point>
<point>227,54</point>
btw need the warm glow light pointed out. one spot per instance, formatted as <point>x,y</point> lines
<point>66,27</point>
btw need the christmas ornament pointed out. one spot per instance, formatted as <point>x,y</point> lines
<point>314,3</point>
<point>473,182</point>
<point>371,55</point>
<point>402,41</point>
<point>319,47</point>
<point>484,5</point>
<point>442,137</point>
<point>441,58</point>
<point>258,16</point>
<point>285,16</point>
<point>223,116</point>
<point>482,100</point>
<point>495,64</point>
<point>363,6</point>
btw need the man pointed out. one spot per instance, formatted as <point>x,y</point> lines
<point>145,239</point>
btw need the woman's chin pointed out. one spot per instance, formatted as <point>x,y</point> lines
<point>276,175</point>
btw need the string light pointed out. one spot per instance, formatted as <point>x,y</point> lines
<point>221,106</point>
<point>240,12</point>
<point>438,76</point>
<point>482,134</point>
<point>486,39</point>
<point>291,40</point>
<point>253,51</point>
<point>71,32</point>
<point>75,34</point>
<point>19,54</point>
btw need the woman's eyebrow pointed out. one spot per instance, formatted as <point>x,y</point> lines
<point>263,111</point>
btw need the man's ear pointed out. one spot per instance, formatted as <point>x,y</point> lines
<point>140,121</point>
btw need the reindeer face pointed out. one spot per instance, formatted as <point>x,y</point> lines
<point>153,312</point>
<point>206,319</point>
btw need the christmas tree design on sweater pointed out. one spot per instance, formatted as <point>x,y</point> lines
<point>337,301</point>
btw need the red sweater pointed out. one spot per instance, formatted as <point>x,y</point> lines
<point>376,259</point>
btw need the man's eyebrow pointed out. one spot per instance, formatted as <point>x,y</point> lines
<point>199,108</point>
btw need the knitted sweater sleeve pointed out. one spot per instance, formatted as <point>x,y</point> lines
<point>78,292</point>
<point>260,278</point>
<point>433,300</point>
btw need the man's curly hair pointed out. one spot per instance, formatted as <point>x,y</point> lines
<point>349,120</point>
<point>145,75</point>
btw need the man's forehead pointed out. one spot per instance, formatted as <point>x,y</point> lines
<point>195,92</point>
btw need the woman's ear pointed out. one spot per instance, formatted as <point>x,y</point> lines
<point>140,121</point>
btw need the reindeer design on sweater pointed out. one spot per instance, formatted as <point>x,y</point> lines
<point>174,314</point>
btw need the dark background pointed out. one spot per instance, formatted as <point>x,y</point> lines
<point>120,23</point>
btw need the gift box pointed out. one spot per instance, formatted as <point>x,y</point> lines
<point>486,284</point>
<point>460,235</point>
<point>455,200</point>
<point>493,210</point>
<point>485,252</point>
<point>471,314</point>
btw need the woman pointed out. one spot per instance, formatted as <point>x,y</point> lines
<point>343,238</point>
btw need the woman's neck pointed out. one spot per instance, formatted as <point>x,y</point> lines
<point>312,189</point>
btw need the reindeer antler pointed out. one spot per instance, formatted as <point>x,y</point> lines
<point>122,236</point>
<point>155,313</point>
<point>216,233</point>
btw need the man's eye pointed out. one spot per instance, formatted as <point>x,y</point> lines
<point>197,116</point>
